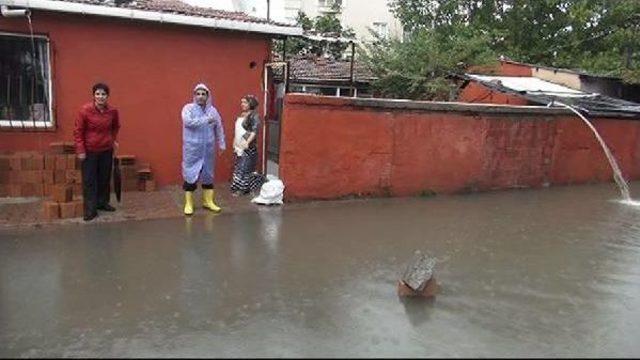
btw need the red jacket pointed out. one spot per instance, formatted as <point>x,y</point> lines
<point>96,130</point>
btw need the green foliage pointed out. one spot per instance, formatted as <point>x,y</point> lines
<point>598,36</point>
<point>569,33</point>
<point>327,25</point>
<point>418,67</point>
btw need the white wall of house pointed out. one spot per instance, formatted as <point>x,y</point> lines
<point>375,14</point>
<point>257,8</point>
<point>226,5</point>
<point>360,15</point>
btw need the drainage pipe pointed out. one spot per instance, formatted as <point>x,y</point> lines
<point>617,174</point>
<point>6,12</point>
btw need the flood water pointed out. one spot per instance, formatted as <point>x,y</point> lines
<point>549,272</point>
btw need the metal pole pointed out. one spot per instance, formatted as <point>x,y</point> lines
<point>287,72</point>
<point>264,123</point>
<point>284,49</point>
<point>351,71</point>
<point>268,10</point>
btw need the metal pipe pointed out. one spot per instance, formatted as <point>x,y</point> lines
<point>284,49</point>
<point>6,12</point>
<point>268,10</point>
<point>353,51</point>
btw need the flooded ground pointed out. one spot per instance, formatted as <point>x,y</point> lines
<point>551,272</point>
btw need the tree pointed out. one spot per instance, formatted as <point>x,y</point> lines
<point>420,67</point>
<point>600,36</point>
<point>327,25</point>
<point>445,36</point>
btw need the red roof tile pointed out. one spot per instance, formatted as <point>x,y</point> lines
<point>180,8</point>
<point>328,70</point>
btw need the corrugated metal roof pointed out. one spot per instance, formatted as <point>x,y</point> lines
<point>543,92</point>
<point>532,85</point>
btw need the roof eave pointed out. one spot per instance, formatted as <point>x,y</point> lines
<point>546,100</point>
<point>562,70</point>
<point>329,81</point>
<point>154,16</point>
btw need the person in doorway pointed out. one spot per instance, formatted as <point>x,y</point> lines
<point>201,128</point>
<point>245,179</point>
<point>95,133</point>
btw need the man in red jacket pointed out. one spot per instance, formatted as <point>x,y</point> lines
<point>95,135</point>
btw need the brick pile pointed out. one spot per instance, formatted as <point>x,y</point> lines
<point>62,204</point>
<point>135,177</point>
<point>31,173</point>
<point>61,194</point>
<point>57,176</point>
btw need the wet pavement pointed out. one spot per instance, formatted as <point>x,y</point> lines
<point>551,272</point>
<point>164,203</point>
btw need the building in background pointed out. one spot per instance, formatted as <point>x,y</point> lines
<point>360,15</point>
<point>323,76</point>
<point>579,80</point>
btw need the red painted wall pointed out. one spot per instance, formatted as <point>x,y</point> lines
<point>478,93</point>
<point>515,69</point>
<point>333,148</point>
<point>151,69</point>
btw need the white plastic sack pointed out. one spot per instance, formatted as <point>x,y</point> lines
<point>271,192</point>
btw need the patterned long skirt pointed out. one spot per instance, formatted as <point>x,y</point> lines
<point>245,179</point>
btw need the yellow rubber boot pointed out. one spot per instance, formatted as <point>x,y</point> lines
<point>207,200</point>
<point>188,202</point>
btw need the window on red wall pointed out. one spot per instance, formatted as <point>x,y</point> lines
<point>25,82</point>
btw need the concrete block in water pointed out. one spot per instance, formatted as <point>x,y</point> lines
<point>418,279</point>
<point>430,289</point>
<point>419,271</point>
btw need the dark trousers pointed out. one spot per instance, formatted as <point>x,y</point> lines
<point>192,187</point>
<point>96,175</point>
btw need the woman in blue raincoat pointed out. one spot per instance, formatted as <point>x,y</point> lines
<point>201,128</point>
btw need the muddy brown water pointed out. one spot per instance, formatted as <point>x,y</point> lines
<point>549,272</point>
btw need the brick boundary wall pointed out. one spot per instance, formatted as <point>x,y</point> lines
<point>340,147</point>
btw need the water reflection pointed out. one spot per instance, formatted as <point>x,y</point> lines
<point>198,277</point>
<point>31,292</point>
<point>271,221</point>
<point>418,310</point>
<point>551,272</point>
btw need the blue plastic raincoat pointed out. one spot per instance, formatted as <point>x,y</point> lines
<point>201,128</point>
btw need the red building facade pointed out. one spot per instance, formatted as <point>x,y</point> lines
<point>151,68</point>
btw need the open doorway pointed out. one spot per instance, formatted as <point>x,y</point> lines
<point>275,87</point>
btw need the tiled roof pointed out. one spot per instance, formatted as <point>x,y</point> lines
<point>179,8</point>
<point>322,69</point>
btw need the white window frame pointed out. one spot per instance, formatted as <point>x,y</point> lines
<point>377,25</point>
<point>327,4</point>
<point>340,90</point>
<point>32,124</point>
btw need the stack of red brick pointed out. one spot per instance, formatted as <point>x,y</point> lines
<point>29,173</point>
<point>62,204</point>
<point>57,175</point>
<point>135,177</point>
